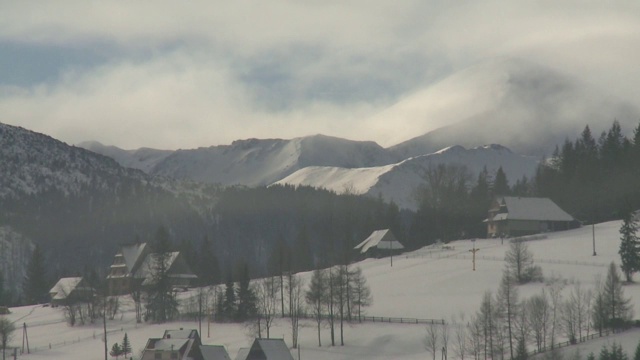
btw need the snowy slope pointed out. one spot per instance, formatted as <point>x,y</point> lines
<point>144,158</point>
<point>525,106</point>
<point>433,282</point>
<point>398,182</point>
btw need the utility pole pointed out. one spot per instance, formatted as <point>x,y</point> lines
<point>25,336</point>
<point>593,232</point>
<point>391,253</point>
<point>474,251</point>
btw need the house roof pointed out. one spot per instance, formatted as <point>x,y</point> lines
<point>214,352</point>
<point>146,269</point>
<point>64,287</point>
<point>272,349</point>
<point>169,344</point>
<point>131,253</point>
<point>528,208</point>
<point>180,334</point>
<point>381,239</point>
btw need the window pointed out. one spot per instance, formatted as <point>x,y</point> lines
<point>157,355</point>
<point>174,354</point>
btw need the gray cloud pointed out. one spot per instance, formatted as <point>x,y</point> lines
<point>167,74</point>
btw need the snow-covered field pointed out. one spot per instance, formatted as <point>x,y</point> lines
<point>434,282</point>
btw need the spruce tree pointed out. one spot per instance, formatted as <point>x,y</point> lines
<point>36,288</point>
<point>116,350</point>
<point>126,345</point>
<point>605,354</point>
<point>617,306</point>
<point>162,303</point>
<point>247,300</point>
<point>629,246</point>
<point>229,302</point>
<point>500,184</point>
<point>3,300</point>
<point>636,355</point>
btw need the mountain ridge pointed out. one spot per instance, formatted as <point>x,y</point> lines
<point>398,182</point>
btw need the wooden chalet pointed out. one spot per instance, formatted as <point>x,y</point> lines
<point>132,268</point>
<point>511,216</point>
<point>182,345</point>
<point>380,243</point>
<point>70,290</point>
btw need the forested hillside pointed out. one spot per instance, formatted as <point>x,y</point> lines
<point>595,178</point>
<point>79,206</point>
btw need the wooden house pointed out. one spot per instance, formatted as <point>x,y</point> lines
<point>70,290</point>
<point>182,345</point>
<point>132,268</point>
<point>511,216</point>
<point>380,243</point>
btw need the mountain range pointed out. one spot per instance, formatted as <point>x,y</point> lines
<point>525,107</point>
<point>91,197</point>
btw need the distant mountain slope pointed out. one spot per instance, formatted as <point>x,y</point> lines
<point>144,158</point>
<point>523,106</point>
<point>251,162</point>
<point>398,182</point>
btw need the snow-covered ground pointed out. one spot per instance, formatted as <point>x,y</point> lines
<point>434,282</point>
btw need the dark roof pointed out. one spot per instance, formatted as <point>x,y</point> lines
<point>530,208</point>
<point>214,352</point>
<point>272,349</point>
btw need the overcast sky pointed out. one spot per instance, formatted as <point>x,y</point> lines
<point>183,74</point>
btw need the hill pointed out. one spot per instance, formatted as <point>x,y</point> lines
<point>67,198</point>
<point>433,282</point>
<point>399,182</point>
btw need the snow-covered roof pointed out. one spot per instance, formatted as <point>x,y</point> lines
<point>169,344</point>
<point>381,239</point>
<point>529,208</point>
<point>180,334</point>
<point>131,253</point>
<point>145,270</point>
<point>64,287</point>
<point>214,352</point>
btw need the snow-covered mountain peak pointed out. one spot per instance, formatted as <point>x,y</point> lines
<point>398,182</point>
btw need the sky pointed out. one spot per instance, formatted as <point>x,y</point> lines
<point>170,75</point>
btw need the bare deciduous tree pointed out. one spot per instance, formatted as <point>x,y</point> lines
<point>315,297</point>
<point>431,340</point>
<point>460,339</point>
<point>266,291</point>
<point>538,313</point>
<point>296,300</point>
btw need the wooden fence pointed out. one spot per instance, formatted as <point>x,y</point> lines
<point>569,343</point>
